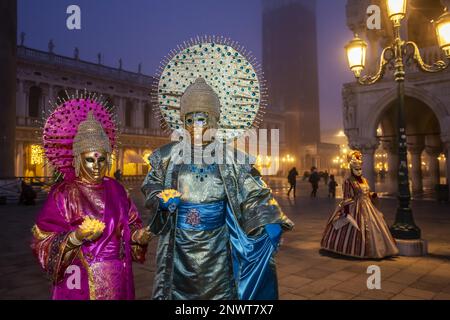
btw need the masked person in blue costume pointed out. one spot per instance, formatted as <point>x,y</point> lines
<point>219,240</point>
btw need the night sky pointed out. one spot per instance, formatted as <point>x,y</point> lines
<point>146,30</point>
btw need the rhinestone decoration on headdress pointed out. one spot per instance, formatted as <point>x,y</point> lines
<point>90,137</point>
<point>62,126</point>
<point>228,68</point>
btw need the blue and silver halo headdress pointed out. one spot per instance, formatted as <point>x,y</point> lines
<point>228,68</point>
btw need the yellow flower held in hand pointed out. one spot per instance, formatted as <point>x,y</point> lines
<point>168,194</point>
<point>92,225</point>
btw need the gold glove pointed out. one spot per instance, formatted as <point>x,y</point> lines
<point>142,236</point>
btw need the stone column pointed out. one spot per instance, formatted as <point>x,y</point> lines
<point>447,162</point>
<point>433,164</point>
<point>139,114</point>
<point>416,170</point>
<point>139,166</point>
<point>121,111</point>
<point>120,159</point>
<point>392,160</point>
<point>21,99</point>
<point>416,146</point>
<point>51,97</point>
<point>368,153</point>
<point>44,98</point>
<point>8,75</point>
<point>19,159</point>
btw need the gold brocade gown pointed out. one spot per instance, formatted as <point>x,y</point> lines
<point>369,236</point>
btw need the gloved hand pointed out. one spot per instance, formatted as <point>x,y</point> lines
<point>142,236</point>
<point>274,231</point>
<point>169,200</point>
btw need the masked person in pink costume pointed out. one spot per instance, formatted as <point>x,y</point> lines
<point>89,231</point>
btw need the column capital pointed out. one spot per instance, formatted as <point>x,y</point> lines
<point>433,151</point>
<point>416,148</point>
<point>445,137</point>
<point>365,145</point>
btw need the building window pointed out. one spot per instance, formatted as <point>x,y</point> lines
<point>34,100</point>
<point>128,114</point>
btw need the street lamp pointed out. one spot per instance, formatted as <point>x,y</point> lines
<point>443,32</point>
<point>395,55</point>
<point>396,10</point>
<point>356,54</point>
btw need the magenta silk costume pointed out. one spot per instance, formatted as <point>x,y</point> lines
<point>104,265</point>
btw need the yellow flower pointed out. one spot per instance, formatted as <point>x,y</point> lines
<point>168,194</point>
<point>92,225</point>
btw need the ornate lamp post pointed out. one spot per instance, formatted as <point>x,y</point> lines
<point>395,55</point>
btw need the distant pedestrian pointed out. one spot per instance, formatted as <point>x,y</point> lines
<point>27,194</point>
<point>305,175</point>
<point>314,179</point>
<point>332,187</point>
<point>292,179</point>
<point>118,175</point>
<point>326,177</point>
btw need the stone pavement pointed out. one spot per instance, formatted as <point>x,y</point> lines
<point>303,271</point>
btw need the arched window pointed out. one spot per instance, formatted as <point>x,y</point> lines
<point>147,113</point>
<point>128,114</point>
<point>34,102</point>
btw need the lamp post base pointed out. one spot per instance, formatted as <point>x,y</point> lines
<point>404,226</point>
<point>412,248</point>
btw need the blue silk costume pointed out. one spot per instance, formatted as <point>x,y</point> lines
<point>220,242</point>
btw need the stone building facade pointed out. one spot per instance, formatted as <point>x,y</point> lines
<point>45,76</point>
<point>369,112</point>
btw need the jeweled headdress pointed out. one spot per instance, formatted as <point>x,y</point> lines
<point>76,125</point>
<point>354,159</point>
<point>227,68</point>
<point>90,137</point>
<point>200,97</point>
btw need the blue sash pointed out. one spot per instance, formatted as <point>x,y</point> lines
<point>201,216</point>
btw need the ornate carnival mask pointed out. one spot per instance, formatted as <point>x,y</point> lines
<point>354,159</point>
<point>94,166</point>
<point>200,109</point>
<point>196,124</point>
<point>91,150</point>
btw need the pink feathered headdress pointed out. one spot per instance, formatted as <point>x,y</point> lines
<point>61,127</point>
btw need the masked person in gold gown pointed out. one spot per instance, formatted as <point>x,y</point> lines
<point>357,228</point>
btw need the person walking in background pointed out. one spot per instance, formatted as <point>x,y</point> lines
<point>314,180</point>
<point>27,194</point>
<point>292,179</point>
<point>118,175</point>
<point>326,177</point>
<point>332,187</point>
